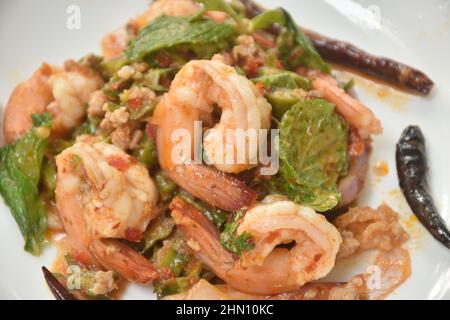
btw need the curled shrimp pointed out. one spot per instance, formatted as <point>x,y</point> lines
<point>114,43</point>
<point>266,269</point>
<point>394,269</point>
<point>362,229</point>
<point>197,87</point>
<point>357,114</point>
<point>104,194</point>
<point>63,92</point>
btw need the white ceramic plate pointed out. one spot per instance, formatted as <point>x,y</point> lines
<point>413,32</point>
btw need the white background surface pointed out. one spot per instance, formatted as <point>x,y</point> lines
<point>414,32</point>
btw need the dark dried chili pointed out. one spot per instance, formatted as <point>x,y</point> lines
<point>343,53</point>
<point>412,171</point>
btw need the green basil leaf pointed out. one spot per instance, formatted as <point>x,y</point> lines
<point>169,32</point>
<point>313,152</point>
<point>20,171</point>
<point>295,48</point>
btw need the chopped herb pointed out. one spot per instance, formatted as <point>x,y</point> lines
<point>143,112</point>
<point>88,127</point>
<point>146,152</point>
<point>159,229</point>
<point>84,280</point>
<point>231,242</point>
<point>166,187</point>
<point>192,273</point>
<point>348,85</point>
<point>154,78</point>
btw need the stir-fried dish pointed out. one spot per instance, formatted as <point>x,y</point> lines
<point>209,152</point>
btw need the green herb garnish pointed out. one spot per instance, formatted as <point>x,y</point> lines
<point>20,172</point>
<point>295,48</point>
<point>169,32</point>
<point>313,153</point>
<point>231,242</point>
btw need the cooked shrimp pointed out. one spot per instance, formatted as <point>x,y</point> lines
<point>357,114</point>
<point>61,92</point>
<point>283,222</point>
<point>173,8</point>
<point>265,269</point>
<point>71,91</point>
<point>366,228</point>
<point>197,87</point>
<point>203,290</point>
<point>104,193</point>
<point>115,42</point>
<point>394,270</point>
<point>30,97</point>
<point>117,194</point>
